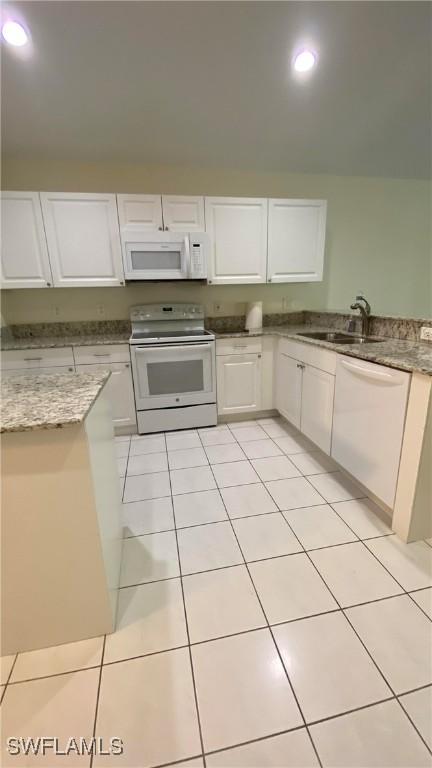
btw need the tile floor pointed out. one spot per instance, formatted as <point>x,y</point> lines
<point>267,617</point>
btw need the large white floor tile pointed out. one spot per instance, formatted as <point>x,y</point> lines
<point>293,443</point>
<point>290,588</point>
<point>279,428</point>
<point>364,517</point>
<point>289,750</point>
<point>149,558</point>
<point>275,468</point>
<point>265,536</point>
<point>220,454</point>
<point>245,500</point>
<point>69,657</point>
<point>182,440</point>
<point>217,436</point>
<point>418,704</point>
<point>410,564</point>
<point>234,473</point>
<point>6,663</point>
<point>318,526</point>
<point>62,706</point>
<point>314,463</point>
<point>187,457</point>
<point>330,670</point>
<point>150,516</point>
<point>150,618</point>
<point>206,547</point>
<point>147,462</point>
<point>376,737</point>
<point>244,434</point>
<point>293,493</point>
<point>221,603</point>
<point>121,466</point>
<point>191,480</point>
<point>423,598</point>
<point>198,508</point>
<point>123,438</point>
<point>353,574</point>
<point>335,486</point>
<point>150,702</point>
<point>242,689</point>
<point>259,449</point>
<point>399,637</point>
<point>147,444</point>
<point>151,486</point>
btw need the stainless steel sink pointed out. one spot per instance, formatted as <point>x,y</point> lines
<point>338,338</point>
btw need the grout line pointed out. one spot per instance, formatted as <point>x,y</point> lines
<point>98,694</point>
<point>188,636</point>
<point>8,678</point>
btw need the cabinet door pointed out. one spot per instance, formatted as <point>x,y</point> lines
<point>288,388</point>
<point>296,239</point>
<point>237,229</point>
<point>24,253</point>
<point>183,214</point>
<point>140,211</point>
<point>83,239</point>
<point>119,390</point>
<point>238,383</point>
<point>317,406</point>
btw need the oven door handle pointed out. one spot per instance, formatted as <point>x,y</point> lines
<point>180,346</point>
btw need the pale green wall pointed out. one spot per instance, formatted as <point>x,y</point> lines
<point>378,240</point>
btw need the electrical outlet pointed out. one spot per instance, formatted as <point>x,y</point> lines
<point>426,333</point>
<point>216,307</point>
<point>56,311</point>
<point>100,310</point>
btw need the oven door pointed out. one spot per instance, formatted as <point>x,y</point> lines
<point>172,375</point>
<point>161,256</point>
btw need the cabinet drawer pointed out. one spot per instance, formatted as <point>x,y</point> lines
<point>102,353</point>
<point>240,346</point>
<point>34,359</point>
<point>324,359</point>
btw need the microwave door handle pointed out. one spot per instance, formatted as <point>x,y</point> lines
<point>179,347</point>
<point>186,265</point>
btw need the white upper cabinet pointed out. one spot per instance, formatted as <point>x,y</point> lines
<point>237,228</point>
<point>24,255</point>
<point>140,211</point>
<point>183,214</point>
<point>83,239</point>
<point>296,240</point>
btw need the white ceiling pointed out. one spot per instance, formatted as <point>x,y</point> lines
<point>209,84</point>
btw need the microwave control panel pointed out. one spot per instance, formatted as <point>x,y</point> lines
<point>198,256</point>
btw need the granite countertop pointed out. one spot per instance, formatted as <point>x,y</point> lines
<point>396,353</point>
<point>46,342</point>
<point>48,401</point>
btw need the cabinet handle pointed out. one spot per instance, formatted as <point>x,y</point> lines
<point>300,365</point>
<point>259,355</point>
<point>32,359</point>
<point>101,354</point>
<point>49,285</point>
<point>210,281</point>
<point>166,229</point>
<point>160,229</point>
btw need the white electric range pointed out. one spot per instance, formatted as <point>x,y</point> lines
<point>173,366</point>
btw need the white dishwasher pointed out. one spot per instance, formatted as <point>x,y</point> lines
<point>368,423</point>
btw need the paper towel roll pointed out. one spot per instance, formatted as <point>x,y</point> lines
<point>254,316</point>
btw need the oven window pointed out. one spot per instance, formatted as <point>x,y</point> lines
<point>175,377</point>
<point>156,260</point>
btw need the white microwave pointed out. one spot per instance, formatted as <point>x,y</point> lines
<point>154,255</point>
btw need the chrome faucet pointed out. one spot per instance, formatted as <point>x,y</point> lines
<point>365,310</point>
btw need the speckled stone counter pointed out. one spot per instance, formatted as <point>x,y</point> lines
<point>396,353</point>
<point>48,401</point>
<point>80,340</point>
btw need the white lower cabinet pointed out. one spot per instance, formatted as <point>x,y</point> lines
<point>119,390</point>
<point>317,406</point>
<point>238,383</point>
<point>288,388</point>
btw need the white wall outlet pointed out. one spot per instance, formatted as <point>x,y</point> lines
<point>56,311</point>
<point>426,333</point>
<point>217,307</point>
<point>100,310</point>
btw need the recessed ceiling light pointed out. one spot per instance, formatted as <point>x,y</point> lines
<point>14,33</point>
<point>305,60</point>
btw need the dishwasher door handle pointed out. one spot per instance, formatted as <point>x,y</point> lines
<point>392,379</point>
